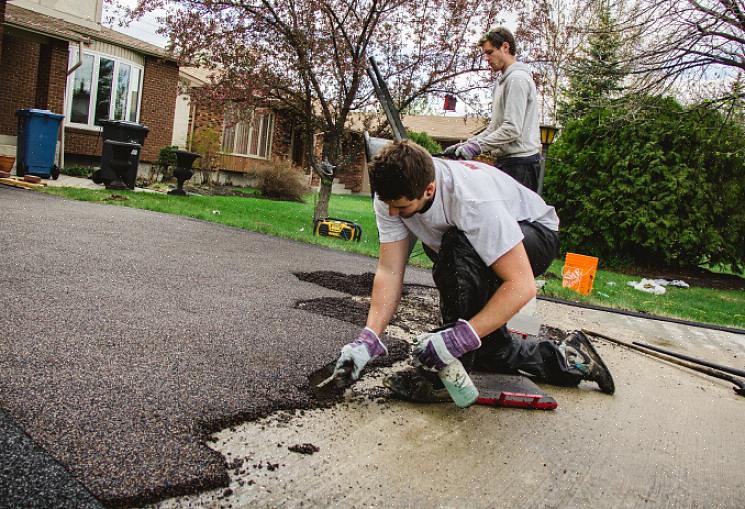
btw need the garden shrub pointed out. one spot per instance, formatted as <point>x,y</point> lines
<point>650,184</point>
<point>166,161</point>
<point>77,171</point>
<point>425,141</point>
<point>283,181</point>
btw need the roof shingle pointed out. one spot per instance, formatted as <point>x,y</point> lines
<point>61,29</point>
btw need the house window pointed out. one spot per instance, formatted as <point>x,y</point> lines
<point>248,133</point>
<point>103,87</point>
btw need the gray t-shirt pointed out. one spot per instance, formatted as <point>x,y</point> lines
<point>480,200</point>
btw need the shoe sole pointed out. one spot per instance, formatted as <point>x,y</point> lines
<point>599,361</point>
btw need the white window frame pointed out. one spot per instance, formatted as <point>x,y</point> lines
<point>233,127</point>
<point>91,125</point>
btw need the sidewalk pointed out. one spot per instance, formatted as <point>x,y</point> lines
<point>83,183</point>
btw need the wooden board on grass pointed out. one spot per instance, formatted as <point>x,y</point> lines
<point>16,182</point>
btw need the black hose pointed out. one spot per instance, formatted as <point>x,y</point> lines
<point>636,314</point>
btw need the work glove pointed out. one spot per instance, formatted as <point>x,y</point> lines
<point>436,350</point>
<point>359,352</point>
<point>468,150</point>
<point>450,151</point>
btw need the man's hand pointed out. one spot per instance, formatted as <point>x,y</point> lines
<point>468,150</point>
<point>359,352</point>
<point>450,151</point>
<point>438,349</point>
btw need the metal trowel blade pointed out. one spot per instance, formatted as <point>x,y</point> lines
<point>324,383</point>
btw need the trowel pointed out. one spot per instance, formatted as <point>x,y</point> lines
<point>329,382</point>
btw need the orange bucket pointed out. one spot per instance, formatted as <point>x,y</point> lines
<point>578,273</point>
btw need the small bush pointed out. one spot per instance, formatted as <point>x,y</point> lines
<point>283,182</point>
<point>166,160</point>
<point>425,141</point>
<point>77,171</point>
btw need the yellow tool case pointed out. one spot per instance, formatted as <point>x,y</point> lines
<point>340,228</point>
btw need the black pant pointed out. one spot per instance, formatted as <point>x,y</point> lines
<point>525,170</point>
<point>465,284</point>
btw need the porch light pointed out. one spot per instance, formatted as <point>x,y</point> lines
<point>548,133</point>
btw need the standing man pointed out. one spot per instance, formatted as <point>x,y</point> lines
<point>513,136</point>
<point>488,237</point>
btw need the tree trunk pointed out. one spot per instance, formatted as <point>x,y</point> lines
<point>331,151</point>
<point>324,195</point>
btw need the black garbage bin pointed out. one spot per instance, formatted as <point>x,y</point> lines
<point>126,132</point>
<point>120,163</point>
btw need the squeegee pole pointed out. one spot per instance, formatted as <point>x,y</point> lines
<point>386,101</point>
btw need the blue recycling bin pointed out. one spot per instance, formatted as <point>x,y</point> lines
<point>37,142</point>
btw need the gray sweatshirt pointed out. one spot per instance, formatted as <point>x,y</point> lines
<point>513,130</point>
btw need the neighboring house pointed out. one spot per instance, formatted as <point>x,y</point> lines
<point>446,130</point>
<point>116,77</point>
<point>238,141</point>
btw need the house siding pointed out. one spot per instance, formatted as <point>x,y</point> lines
<point>2,26</point>
<point>19,68</point>
<point>160,87</point>
<point>52,76</point>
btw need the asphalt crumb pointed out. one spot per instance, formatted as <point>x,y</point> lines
<point>304,448</point>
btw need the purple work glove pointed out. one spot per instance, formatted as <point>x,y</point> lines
<point>468,150</point>
<point>359,352</point>
<point>438,349</point>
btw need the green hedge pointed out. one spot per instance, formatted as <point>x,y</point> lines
<point>650,183</point>
<point>426,141</point>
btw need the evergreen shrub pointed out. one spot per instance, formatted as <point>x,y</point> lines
<point>425,141</point>
<point>650,183</point>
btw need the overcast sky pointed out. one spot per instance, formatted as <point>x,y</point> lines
<point>143,29</point>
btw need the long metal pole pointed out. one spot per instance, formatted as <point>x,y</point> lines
<point>386,101</point>
<point>544,153</point>
<point>726,369</point>
<point>739,384</point>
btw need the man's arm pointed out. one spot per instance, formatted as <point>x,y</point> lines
<point>518,287</point>
<point>387,285</point>
<point>516,93</point>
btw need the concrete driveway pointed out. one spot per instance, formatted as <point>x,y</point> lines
<point>128,337</point>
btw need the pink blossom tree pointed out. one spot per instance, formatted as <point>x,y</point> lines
<point>309,56</point>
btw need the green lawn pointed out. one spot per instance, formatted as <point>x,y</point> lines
<point>294,221</point>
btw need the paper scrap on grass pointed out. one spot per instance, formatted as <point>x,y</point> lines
<point>656,286</point>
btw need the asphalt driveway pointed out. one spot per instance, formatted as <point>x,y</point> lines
<point>127,336</point>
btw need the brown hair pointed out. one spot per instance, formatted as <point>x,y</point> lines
<point>402,169</point>
<point>497,36</point>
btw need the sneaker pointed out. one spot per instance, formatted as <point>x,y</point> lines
<point>580,354</point>
<point>418,385</point>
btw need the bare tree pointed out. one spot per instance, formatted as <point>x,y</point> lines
<point>686,40</point>
<point>550,34</point>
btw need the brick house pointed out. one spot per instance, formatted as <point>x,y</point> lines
<point>245,141</point>
<point>56,55</point>
<point>238,140</point>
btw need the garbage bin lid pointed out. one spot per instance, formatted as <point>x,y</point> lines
<point>28,112</point>
<point>122,143</point>
<point>124,123</point>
